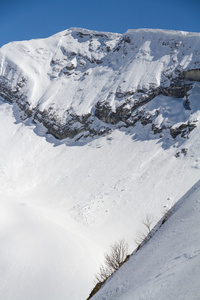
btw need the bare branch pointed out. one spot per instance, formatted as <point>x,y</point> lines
<point>144,234</point>
<point>147,222</point>
<point>113,260</point>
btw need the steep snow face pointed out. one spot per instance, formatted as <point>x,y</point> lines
<point>82,83</point>
<point>168,266</point>
<point>55,66</point>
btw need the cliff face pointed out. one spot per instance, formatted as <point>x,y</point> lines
<point>80,83</point>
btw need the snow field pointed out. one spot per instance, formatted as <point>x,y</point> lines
<point>62,206</point>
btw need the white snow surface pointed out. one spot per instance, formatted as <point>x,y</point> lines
<point>62,207</point>
<point>63,204</point>
<point>168,266</point>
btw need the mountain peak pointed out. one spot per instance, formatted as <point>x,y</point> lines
<point>81,83</point>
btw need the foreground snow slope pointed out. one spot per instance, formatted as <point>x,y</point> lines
<point>64,201</point>
<point>168,266</point>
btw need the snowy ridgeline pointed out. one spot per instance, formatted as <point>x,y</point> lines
<point>82,84</point>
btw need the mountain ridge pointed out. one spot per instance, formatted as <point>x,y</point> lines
<point>82,83</point>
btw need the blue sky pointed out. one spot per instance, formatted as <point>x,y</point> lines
<point>28,19</point>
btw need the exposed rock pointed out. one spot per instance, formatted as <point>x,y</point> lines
<point>127,112</point>
<point>176,91</point>
<point>80,58</point>
<point>183,151</point>
<point>192,74</point>
<point>183,129</point>
<point>120,94</point>
<point>156,129</point>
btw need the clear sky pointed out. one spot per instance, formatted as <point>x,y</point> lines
<point>28,19</point>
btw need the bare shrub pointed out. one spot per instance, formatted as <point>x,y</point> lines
<point>117,256</point>
<point>103,274</point>
<point>113,260</point>
<point>145,233</point>
<point>167,213</point>
<point>147,221</point>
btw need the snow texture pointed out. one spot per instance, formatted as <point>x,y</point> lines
<point>168,266</point>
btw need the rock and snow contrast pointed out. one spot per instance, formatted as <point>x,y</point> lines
<point>98,129</point>
<point>80,83</point>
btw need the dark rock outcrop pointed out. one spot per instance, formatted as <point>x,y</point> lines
<point>125,115</point>
<point>193,74</point>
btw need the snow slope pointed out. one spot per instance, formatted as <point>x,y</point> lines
<point>61,207</point>
<point>64,201</point>
<point>168,266</point>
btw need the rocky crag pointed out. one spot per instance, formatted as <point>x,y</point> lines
<point>82,83</point>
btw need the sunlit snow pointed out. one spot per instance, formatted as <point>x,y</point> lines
<point>62,203</point>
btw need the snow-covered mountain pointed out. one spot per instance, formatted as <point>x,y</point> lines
<point>96,130</point>
<point>81,83</point>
